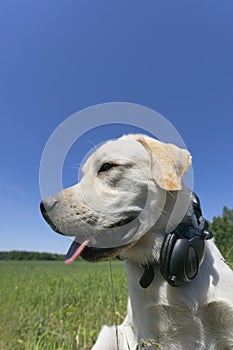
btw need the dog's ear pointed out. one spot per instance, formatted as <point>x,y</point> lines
<point>169,163</point>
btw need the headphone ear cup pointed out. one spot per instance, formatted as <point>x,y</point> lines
<point>181,257</point>
<point>165,254</point>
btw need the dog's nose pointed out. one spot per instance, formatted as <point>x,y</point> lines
<point>48,204</point>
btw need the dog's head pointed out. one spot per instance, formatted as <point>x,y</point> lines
<point>120,198</point>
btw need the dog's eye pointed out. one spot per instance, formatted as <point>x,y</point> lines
<point>106,167</point>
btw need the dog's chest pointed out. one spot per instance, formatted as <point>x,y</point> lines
<point>160,313</point>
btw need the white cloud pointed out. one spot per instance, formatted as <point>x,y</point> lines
<point>11,188</point>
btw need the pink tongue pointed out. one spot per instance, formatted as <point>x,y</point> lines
<point>74,251</point>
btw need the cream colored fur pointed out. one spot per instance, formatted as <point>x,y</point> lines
<point>195,316</point>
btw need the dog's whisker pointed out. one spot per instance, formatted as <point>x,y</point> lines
<point>169,214</point>
<point>76,165</point>
<point>172,195</point>
<point>162,210</point>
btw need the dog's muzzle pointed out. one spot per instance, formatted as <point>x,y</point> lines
<point>76,249</point>
<point>48,204</point>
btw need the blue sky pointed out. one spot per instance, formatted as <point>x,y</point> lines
<point>58,57</point>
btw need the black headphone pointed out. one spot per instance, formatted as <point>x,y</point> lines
<point>183,249</point>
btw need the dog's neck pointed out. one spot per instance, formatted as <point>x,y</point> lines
<point>177,208</point>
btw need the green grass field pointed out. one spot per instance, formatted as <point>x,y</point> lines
<point>47,305</point>
<point>52,306</point>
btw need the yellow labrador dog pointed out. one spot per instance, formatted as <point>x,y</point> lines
<point>131,202</point>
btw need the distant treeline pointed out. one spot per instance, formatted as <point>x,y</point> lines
<point>222,228</point>
<point>24,255</point>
